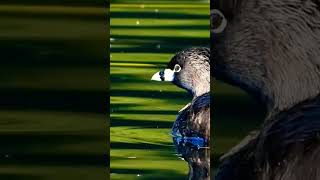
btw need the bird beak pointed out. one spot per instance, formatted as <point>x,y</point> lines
<point>163,75</point>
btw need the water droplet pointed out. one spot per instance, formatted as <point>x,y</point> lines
<point>158,46</point>
<point>138,175</point>
<point>137,22</point>
<point>156,10</point>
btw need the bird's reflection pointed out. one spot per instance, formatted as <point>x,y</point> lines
<point>197,154</point>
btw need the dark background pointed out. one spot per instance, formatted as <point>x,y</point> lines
<point>235,114</point>
<point>53,90</point>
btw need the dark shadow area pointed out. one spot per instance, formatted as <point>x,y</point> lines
<point>166,48</point>
<point>164,40</point>
<point>11,176</point>
<point>31,53</point>
<point>59,2</point>
<point>235,115</point>
<point>128,78</point>
<point>161,176</point>
<point>215,159</point>
<point>24,142</point>
<point>156,174</point>
<point>69,101</point>
<point>116,107</point>
<point>47,16</point>
<point>239,106</point>
<point>18,149</point>
<point>71,159</point>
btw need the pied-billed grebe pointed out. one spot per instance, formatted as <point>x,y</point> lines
<point>190,70</point>
<point>198,159</point>
<point>271,49</point>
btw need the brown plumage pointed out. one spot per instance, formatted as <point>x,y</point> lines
<point>271,49</point>
<point>194,120</point>
<point>190,70</point>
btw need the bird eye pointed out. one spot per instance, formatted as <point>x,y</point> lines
<point>177,68</point>
<point>218,21</point>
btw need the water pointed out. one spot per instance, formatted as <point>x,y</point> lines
<point>52,91</point>
<point>144,38</point>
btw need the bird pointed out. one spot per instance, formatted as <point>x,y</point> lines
<point>198,160</point>
<point>271,50</point>
<point>189,69</point>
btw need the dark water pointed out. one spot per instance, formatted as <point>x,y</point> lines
<point>235,114</point>
<point>144,37</point>
<point>52,91</point>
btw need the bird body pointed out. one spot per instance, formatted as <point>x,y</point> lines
<point>194,120</point>
<point>271,49</point>
<point>190,70</point>
<point>286,148</point>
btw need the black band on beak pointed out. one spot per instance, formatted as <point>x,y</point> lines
<point>161,73</point>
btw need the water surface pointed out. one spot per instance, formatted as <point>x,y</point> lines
<point>52,91</point>
<point>144,36</point>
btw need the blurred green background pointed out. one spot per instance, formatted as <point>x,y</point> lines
<point>53,90</point>
<point>144,37</point>
<point>235,114</point>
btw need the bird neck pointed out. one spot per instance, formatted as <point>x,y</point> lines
<point>289,84</point>
<point>200,87</point>
<point>282,85</point>
<point>201,91</point>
